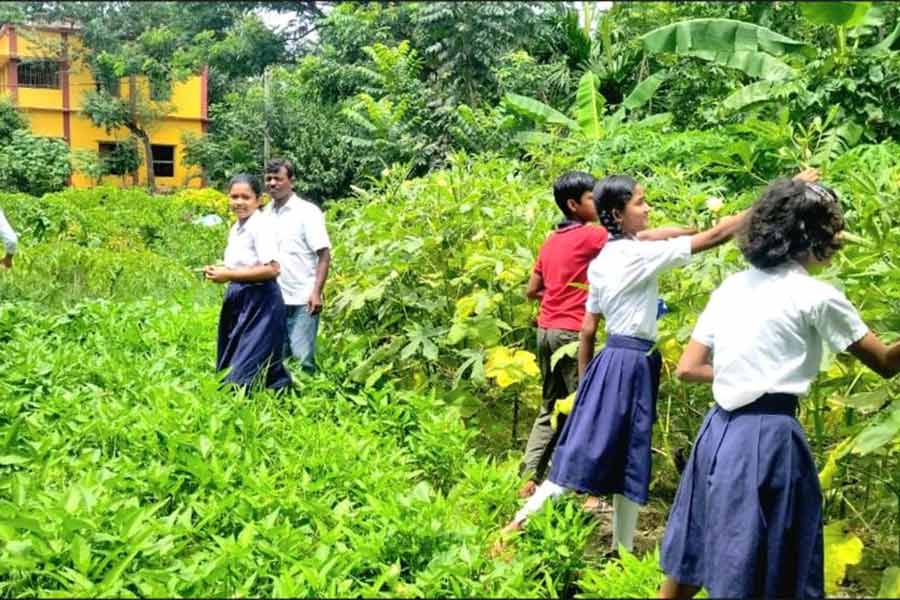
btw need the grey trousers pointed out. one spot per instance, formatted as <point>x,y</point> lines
<point>557,384</point>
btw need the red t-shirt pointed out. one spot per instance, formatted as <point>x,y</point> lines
<point>564,259</point>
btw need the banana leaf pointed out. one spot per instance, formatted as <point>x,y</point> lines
<point>589,105</point>
<point>538,111</point>
<point>843,14</point>
<point>721,36</point>
<point>760,91</point>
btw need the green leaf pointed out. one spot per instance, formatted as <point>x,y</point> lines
<point>722,37</point>
<point>864,402</point>
<point>538,111</point>
<point>570,350</point>
<point>13,459</point>
<point>759,91</point>
<point>890,583</point>
<point>755,64</point>
<point>589,104</point>
<point>644,90</point>
<point>80,551</point>
<point>843,14</point>
<point>875,436</point>
<point>841,549</point>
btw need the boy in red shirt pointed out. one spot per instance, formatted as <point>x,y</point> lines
<point>563,260</point>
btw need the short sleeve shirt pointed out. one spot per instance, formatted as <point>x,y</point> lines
<point>300,234</point>
<point>623,285</point>
<point>9,237</point>
<point>562,264</point>
<point>251,243</point>
<point>767,329</point>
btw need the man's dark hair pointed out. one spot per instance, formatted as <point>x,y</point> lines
<point>275,164</point>
<point>570,186</point>
<point>790,220</point>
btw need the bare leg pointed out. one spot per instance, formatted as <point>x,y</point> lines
<point>672,589</point>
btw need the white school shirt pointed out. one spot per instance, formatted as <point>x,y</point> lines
<point>300,232</point>
<point>766,329</point>
<point>622,282</point>
<point>9,237</point>
<point>251,243</point>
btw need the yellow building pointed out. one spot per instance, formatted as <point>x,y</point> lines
<point>40,73</point>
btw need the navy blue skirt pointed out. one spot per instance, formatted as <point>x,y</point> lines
<point>252,328</point>
<point>604,446</point>
<point>747,518</point>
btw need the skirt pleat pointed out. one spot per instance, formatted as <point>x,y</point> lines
<point>604,446</point>
<point>252,329</point>
<point>747,517</point>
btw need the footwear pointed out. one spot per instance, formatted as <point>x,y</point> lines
<point>598,506</point>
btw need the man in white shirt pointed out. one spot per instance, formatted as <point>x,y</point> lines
<point>304,255</point>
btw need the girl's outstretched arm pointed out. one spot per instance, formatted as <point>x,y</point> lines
<point>875,354</point>
<point>664,233</point>
<point>719,233</point>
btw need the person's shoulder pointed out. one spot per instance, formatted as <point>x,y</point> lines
<point>595,233</point>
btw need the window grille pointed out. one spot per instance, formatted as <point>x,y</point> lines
<point>39,74</point>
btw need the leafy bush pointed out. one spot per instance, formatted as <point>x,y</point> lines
<point>33,165</point>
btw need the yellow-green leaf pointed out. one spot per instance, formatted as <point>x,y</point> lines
<point>841,549</point>
<point>890,583</point>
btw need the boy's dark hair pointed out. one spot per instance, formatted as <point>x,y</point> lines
<point>571,186</point>
<point>612,193</point>
<point>273,165</point>
<point>790,220</point>
<point>249,179</point>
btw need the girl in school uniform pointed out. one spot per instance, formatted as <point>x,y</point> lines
<point>604,446</point>
<point>747,517</point>
<point>252,321</point>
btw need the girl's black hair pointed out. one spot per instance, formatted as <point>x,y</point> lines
<point>790,220</point>
<point>612,193</point>
<point>250,180</point>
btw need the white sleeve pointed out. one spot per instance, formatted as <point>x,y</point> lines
<point>265,240</point>
<point>657,257</point>
<point>314,230</point>
<point>705,328</point>
<point>837,321</point>
<point>10,239</point>
<point>593,300</point>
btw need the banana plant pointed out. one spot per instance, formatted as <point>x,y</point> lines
<point>771,58</point>
<point>588,118</point>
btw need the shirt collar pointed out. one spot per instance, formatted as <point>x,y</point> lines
<point>289,204</point>
<point>567,224</point>
<point>241,226</point>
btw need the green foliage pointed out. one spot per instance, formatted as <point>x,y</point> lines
<point>11,120</point>
<point>34,165</point>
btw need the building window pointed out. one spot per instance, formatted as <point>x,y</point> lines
<point>118,158</point>
<point>38,74</point>
<point>163,160</point>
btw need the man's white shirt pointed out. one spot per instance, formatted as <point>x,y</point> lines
<point>299,227</point>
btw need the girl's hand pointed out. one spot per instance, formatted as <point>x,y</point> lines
<point>216,274</point>
<point>810,175</point>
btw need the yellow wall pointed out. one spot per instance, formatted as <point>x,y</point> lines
<point>45,112</point>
